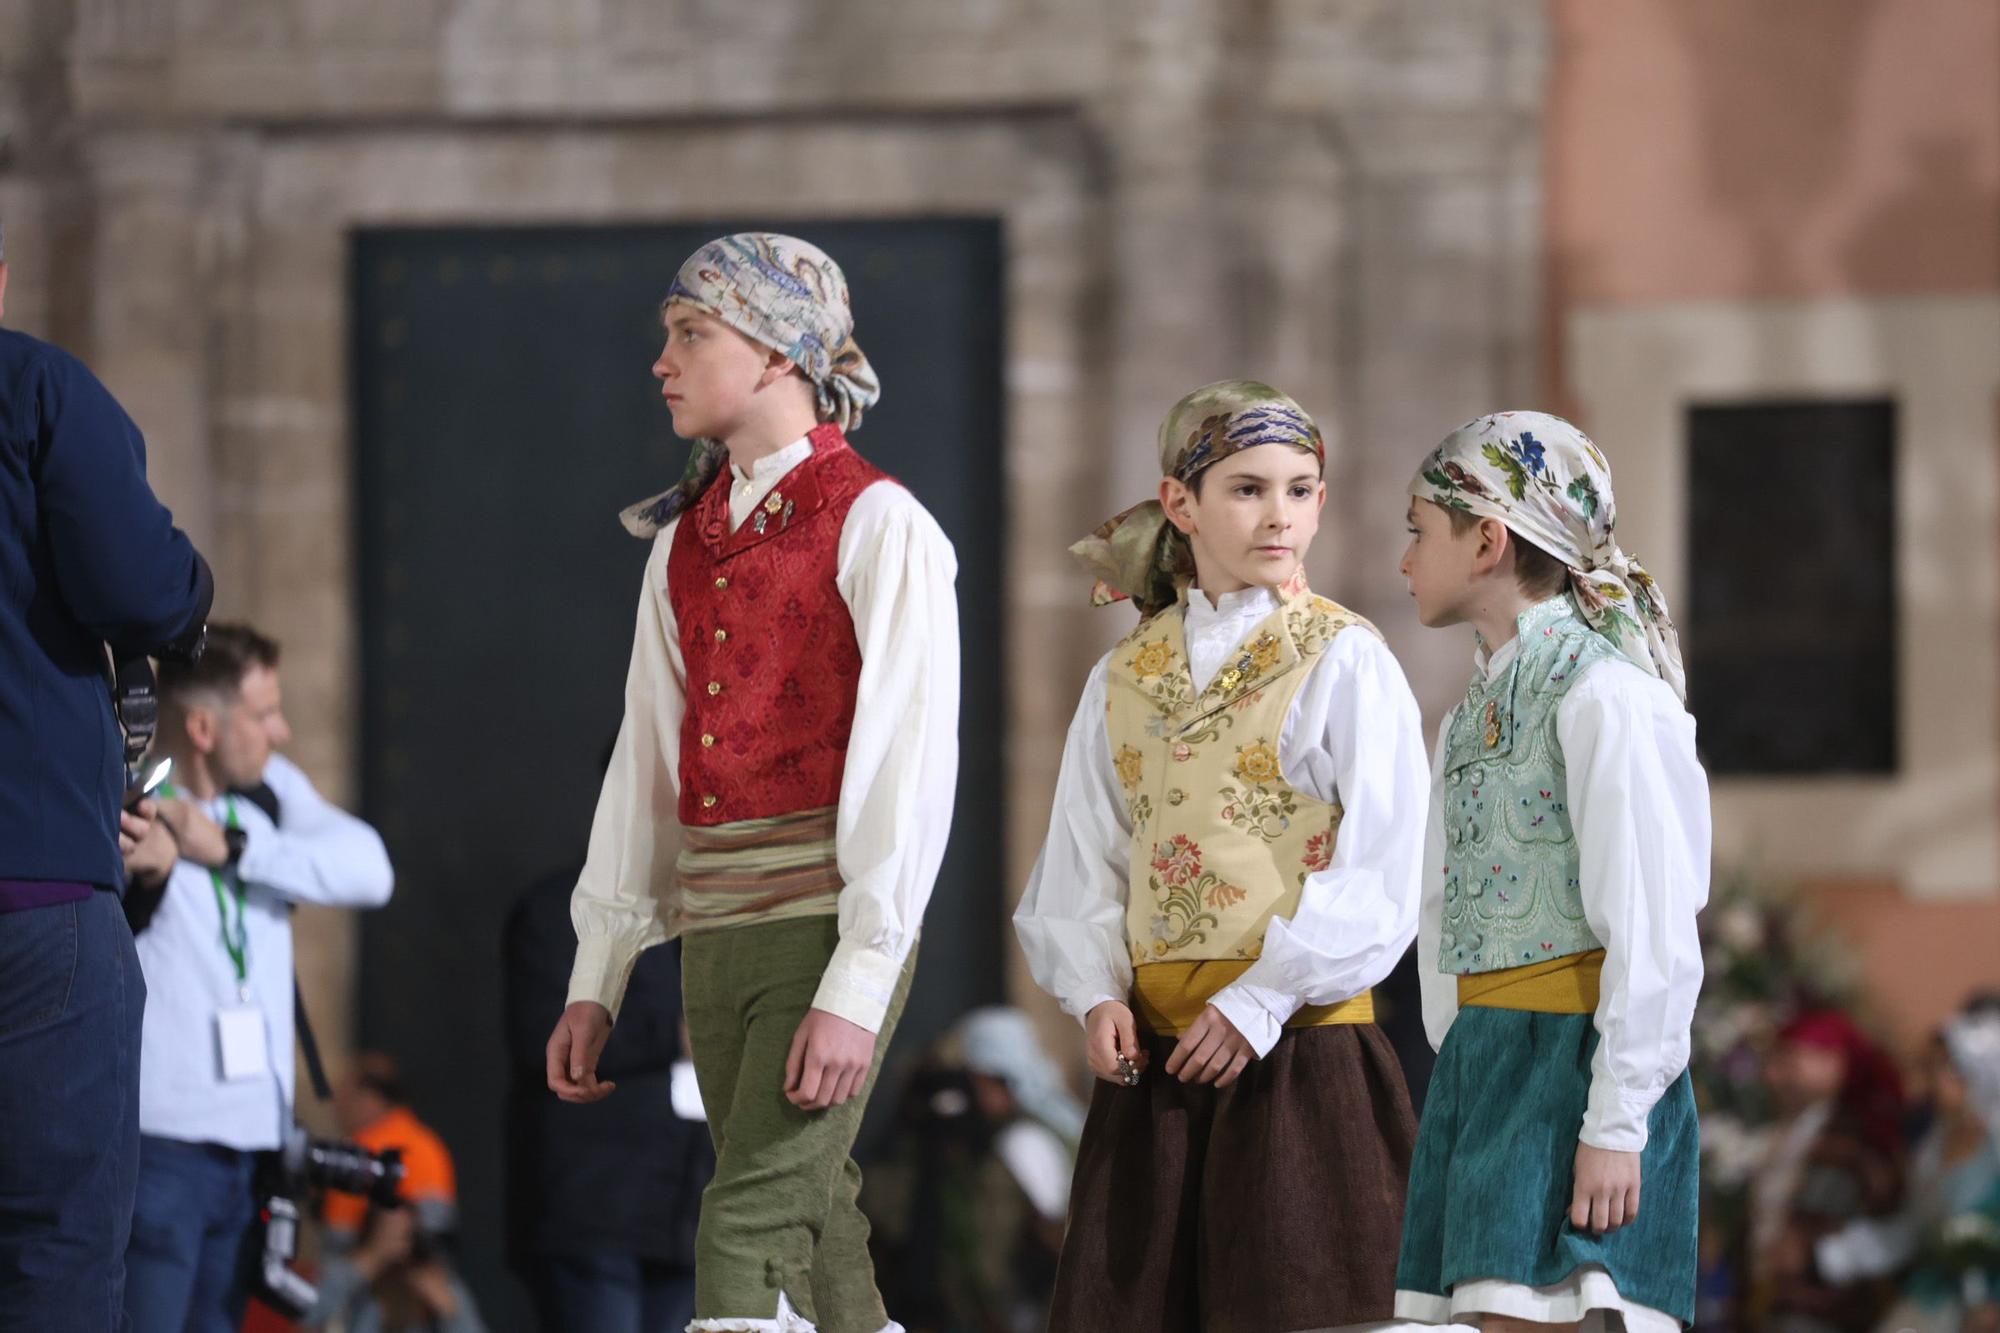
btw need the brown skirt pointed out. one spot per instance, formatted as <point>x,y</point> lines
<point>1275,1204</point>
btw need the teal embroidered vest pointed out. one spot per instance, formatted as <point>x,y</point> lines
<point>1511,891</point>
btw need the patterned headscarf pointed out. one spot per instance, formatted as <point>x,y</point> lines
<point>1548,483</point>
<point>1139,554</point>
<point>787,295</point>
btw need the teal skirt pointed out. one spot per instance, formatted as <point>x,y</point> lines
<point>1490,1183</point>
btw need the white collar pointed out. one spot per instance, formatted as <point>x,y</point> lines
<point>1213,629</point>
<point>774,465</point>
<point>1230,605</point>
<point>1491,665</point>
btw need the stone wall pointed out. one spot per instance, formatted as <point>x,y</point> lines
<point>1341,196</point>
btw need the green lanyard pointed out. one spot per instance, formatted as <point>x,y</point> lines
<point>238,948</point>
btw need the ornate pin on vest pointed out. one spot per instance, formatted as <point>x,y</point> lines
<point>771,506</point>
<point>1492,723</point>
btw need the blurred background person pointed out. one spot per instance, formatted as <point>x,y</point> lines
<point>1836,1157</point>
<point>388,1270</point>
<point>1944,1242</point>
<point>968,1203</point>
<point>602,1199</point>
<point>254,838</point>
<point>88,557</point>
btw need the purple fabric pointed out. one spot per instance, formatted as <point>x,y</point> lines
<point>17,895</point>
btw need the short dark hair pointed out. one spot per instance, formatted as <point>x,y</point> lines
<point>228,656</point>
<point>1536,572</point>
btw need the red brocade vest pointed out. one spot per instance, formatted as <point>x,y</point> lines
<point>772,661</point>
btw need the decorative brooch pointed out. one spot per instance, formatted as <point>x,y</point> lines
<point>774,504</point>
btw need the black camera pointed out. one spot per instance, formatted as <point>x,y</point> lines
<point>303,1164</point>
<point>134,689</point>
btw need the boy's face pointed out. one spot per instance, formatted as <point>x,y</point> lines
<point>1438,564</point>
<point>708,373</point>
<point>1255,517</point>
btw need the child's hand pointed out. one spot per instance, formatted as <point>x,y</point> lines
<point>1211,1051</point>
<point>573,1050</point>
<point>829,1061</point>
<point>1606,1191</point>
<point>1109,1032</point>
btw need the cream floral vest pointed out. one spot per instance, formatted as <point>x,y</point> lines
<point>1221,843</point>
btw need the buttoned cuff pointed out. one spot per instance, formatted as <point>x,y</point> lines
<point>858,984</point>
<point>1615,1121</point>
<point>601,972</point>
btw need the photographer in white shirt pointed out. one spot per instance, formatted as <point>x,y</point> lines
<point>217,1068</point>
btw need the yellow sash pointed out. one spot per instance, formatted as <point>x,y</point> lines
<point>1566,985</point>
<point>1170,996</point>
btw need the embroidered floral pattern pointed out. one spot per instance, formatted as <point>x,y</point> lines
<point>1177,860</point>
<point>1179,887</point>
<point>1131,766</point>
<point>1314,624</point>
<point>1224,896</point>
<point>1153,659</point>
<point>1259,811</point>
<point>1257,762</point>
<point>1193,896</point>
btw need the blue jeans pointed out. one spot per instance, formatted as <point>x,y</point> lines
<point>612,1293</point>
<point>71,1001</point>
<point>193,1243</point>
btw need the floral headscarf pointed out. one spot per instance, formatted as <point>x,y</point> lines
<point>789,296</point>
<point>1139,554</point>
<point>1547,482</point>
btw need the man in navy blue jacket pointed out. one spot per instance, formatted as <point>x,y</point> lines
<point>88,557</point>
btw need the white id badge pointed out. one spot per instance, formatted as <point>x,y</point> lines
<point>239,1039</point>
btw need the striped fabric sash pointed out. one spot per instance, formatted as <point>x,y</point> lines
<point>757,870</point>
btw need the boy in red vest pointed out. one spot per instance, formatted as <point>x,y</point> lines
<point>793,704</point>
